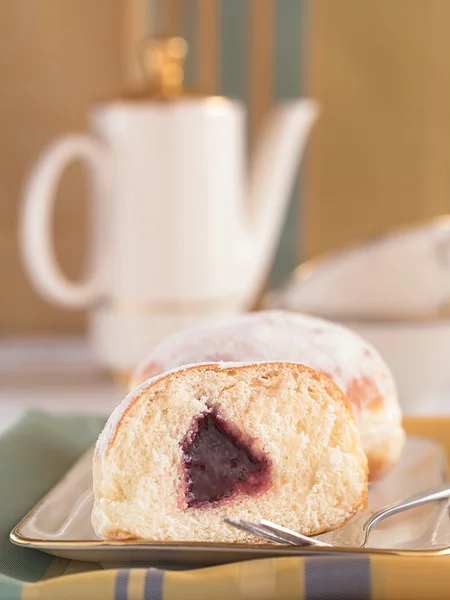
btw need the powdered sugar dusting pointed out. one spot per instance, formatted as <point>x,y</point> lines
<point>281,336</point>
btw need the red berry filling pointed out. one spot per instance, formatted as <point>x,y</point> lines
<point>218,464</point>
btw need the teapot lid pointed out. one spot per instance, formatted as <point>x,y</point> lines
<point>162,61</point>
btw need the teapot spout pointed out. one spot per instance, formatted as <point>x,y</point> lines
<point>274,168</point>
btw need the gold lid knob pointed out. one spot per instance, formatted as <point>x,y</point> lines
<point>162,60</point>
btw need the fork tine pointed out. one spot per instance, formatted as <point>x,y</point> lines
<point>294,538</point>
<point>252,528</point>
<point>275,533</point>
<point>260,530</point>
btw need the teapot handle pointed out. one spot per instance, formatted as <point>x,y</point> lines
<point>35,234</point>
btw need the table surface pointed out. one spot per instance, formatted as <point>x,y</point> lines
<point>55,375</point>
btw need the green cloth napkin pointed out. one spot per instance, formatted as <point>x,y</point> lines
<point>37,452</point>
<point>34,455</point>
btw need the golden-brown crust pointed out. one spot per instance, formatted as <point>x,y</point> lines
<point>331,387</point>
<point>364,392</point>
<point>144,388</point>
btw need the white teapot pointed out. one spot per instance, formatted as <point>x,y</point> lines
<point>179,231</point>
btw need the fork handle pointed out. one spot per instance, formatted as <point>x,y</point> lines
<point>440,492</point>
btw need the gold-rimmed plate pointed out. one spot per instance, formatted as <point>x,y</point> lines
<point>60,523</point>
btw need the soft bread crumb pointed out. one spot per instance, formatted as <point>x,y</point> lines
<point>295,416</point>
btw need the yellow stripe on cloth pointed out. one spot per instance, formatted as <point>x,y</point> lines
<point>95,584</point>
<point>136,584</point>
<point>220,583</point>
<point>415,578</point>
<point>257,581</point>
<point>265,579</point>
<point>291,578</point>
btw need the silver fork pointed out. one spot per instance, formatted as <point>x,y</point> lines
<point>282,535</point>
<point>274,533</point>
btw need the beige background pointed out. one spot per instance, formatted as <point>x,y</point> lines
<point>380,155</point>
<point>56,56</point>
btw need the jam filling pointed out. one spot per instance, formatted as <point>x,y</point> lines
<point>218,464</point>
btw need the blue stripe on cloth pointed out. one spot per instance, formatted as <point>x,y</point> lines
<point>154,583</point>
<point>121,587</point>
<point>334,578</point>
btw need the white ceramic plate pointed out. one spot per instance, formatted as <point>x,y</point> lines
<point>60,523</point>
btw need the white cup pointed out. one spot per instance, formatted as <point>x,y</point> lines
<point>172,240</point>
